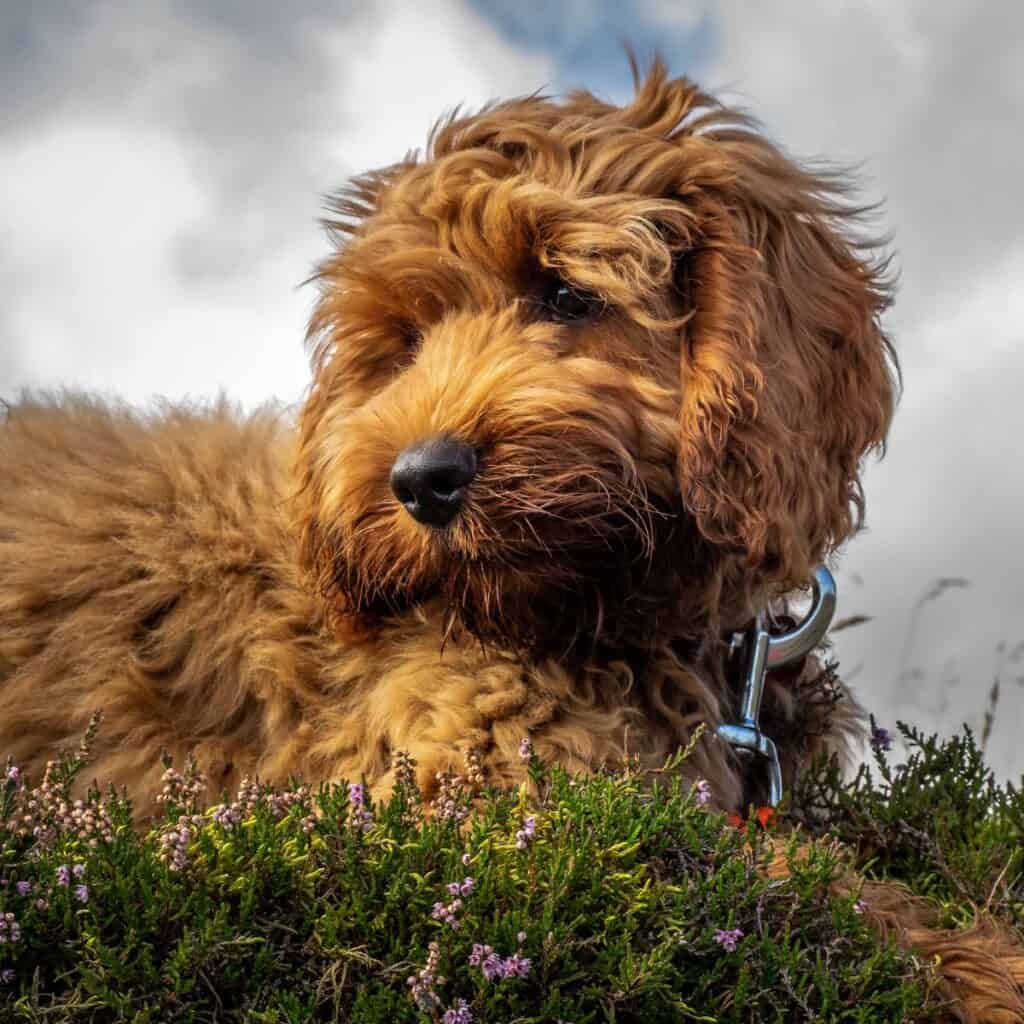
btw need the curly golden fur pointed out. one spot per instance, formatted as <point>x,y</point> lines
<point>659,335</point>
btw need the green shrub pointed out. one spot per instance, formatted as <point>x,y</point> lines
<point>603,899</point>
<point>941,823</point>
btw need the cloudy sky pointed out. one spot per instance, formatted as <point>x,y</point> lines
<point>161,167</point>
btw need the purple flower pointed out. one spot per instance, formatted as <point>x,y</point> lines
<point>10,930</point>
<point>421,984</point>
<point>517,966</point>
<point>493,967</point>
<point>175,841</point>
<point>7,976</point>
<point>448,914</point>
<point>227,816</point>
<point>859,907</point>
<point>82,893</point>
<point>13,773</point>
<point>24,888</point>
<point>479,954</point>
<point>463,888</point>
<point>78,870</point>
<point>881,739</point>
<point>525,748</point>
<point>526,833</point>
<point>359,816</point>
<point>460,1014</point>
<point>64,875</point>
<point>521,938</point>
<point>728,937</point>
<point>465,859</point>
<point>703,792</point>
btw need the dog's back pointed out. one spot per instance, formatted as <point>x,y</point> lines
<point>135,551</point>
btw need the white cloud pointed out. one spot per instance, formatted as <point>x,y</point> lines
<point>154,245</point>
<point>415,63</point>
<point>93,208</point>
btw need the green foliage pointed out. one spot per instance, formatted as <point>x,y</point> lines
<point>940,823</point>
<point>602,899</point>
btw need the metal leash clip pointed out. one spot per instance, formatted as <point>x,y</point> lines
<point>768,652</point>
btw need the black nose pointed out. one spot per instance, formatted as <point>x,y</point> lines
<point>430,479</point>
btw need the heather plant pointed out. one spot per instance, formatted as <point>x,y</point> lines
<point>939,822</point>
<point>614,897</point>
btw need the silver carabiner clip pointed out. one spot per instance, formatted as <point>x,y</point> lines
<point>768,652</point>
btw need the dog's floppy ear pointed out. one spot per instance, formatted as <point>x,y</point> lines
<point>787,377</point>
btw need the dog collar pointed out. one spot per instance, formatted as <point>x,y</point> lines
<point>765,652</point>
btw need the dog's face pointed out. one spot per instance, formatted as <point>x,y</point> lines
<point>583,369</point>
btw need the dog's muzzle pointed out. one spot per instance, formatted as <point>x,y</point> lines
<point>430,479</point>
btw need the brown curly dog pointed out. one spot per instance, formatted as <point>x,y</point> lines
<point>592,385</point>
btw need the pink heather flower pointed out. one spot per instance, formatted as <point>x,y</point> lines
<point>361,819</point>
<point>359,816</point>
<point>460,1014</point>
<point>728,937</point>
<point>421,984</point>
<point>521,938</point>
<point>525,748</point>
<point>42,904</point>
<point>448,914</point>
<point>10,930</point>
<point>526,833</point>
<point>450,802</point>
<point>703,792</point>
<point>859,907</point>
<point>12,773</point>
<point>24,888</point>
<point>64,875</point>
<point>78,870</point>
<point>479,954</point>
<point>82,893</point>
<point>174,841</point>
<point>493,967</point>
<point>227,816</point>
<point>281,803</point>
<point>184,789</point>
<point>463,888</point>
<point>465,859</point>
<point>517,966</point>
<point>7,976</point>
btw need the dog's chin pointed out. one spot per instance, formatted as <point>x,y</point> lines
<point>536,604</point>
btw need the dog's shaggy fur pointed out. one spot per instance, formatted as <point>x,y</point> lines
<point>659,335</point>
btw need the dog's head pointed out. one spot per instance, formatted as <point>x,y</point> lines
<point>585,370</point>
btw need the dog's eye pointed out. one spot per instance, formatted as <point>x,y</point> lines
<point>566,304</point>
<point>411,335</point>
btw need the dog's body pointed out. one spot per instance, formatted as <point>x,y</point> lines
<point>592,386</point>
<point>151,570</point>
